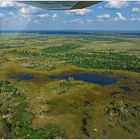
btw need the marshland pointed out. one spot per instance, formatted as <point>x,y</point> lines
<point>84,85</point>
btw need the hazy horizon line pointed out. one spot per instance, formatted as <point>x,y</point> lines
<point>66,30</point>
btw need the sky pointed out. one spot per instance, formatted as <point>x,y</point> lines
<point>107,15</point>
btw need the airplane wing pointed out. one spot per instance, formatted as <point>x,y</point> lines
<point>60,5</point>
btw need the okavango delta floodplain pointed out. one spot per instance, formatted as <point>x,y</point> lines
<point>69,84</point>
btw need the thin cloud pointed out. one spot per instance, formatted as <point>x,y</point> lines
<point>117,4</point>
<point>80,21</point>
<point>1,15</point>
<point>43,15</point>
<point>100,7</point>
<point>5,4</point>
<point>135,19</point>
<point>11,14</point>
<point>24,10</point>
<point>27,11</point>
<point>54,16</point>
<point>103,16</point>
<point>78,11</point>
<point>119,16</point>
<point>135,9</point>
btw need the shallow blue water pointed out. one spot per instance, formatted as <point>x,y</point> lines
<point>88,77</point>
<point>22,76</point>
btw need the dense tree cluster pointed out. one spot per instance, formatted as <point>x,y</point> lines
<point>104,60</point>
<point>63,48</point>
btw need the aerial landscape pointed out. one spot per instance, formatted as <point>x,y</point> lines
<point>69,84</point>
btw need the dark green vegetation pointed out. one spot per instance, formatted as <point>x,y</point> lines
<point>113,60</point>
<point>40,107</point>
<point>62,48</point>
<point>108,60</point>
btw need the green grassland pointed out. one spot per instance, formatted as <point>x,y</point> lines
<point>54,108</point>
